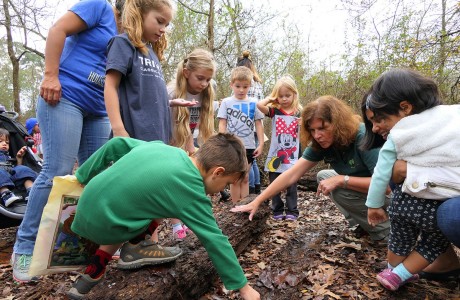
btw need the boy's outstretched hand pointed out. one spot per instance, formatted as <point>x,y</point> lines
<point>376,216</point>
<point>248,293</point>
<point>250,207</point>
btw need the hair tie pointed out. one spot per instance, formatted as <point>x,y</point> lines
<point>368,101</point>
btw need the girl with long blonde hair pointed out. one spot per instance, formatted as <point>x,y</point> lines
<point>192,82</point>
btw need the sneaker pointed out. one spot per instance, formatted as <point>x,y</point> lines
<point>179,235</point>
<point>391,281</point>
<point>452,275</point>
<point>187,230</point>
<point>291,218</point>
<point>278,217</point>
<point>8,198</point>
<point>116,255</point>
<point>224,195</point>
<point>21,266</point>
<point>27,195</point>
<point>382,243</point>
<point>257,189</point>
<point>359,232</point>
<point>83,286</point>
<point>252,190</point>
<point>145,253</point>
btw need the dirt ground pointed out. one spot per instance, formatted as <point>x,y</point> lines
<point>317,257</point>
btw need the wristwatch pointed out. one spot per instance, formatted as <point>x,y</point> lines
<point>345,179</point>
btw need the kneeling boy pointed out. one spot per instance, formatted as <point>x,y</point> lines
<point>148,181</point>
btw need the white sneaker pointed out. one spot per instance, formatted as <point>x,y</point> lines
<point>21,266</point>
<point>9,198</point>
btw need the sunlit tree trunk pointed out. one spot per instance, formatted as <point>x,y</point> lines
<point>442,42</point>
<point>13,58</point>
<point>211,26</point>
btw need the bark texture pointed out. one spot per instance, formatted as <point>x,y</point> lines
<point>192,274</point>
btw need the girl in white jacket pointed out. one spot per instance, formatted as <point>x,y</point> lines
<point>405,109</point>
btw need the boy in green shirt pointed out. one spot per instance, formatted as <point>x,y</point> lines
<point>149,181</point>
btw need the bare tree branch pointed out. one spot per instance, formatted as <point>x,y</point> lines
<point>191,9</point>
<point>35,51</point>
<point>449,34</point>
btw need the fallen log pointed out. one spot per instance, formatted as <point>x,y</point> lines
<point>192,274</point>
<point>308,182</point>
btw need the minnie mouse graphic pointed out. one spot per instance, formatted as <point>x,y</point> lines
<point>287,144</point>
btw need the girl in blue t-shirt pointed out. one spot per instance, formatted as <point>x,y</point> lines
<point>284,108</point>
<point>135,97</point>
<point>135,91</point>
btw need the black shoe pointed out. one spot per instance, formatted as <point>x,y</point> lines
<point>224,196</point>
<point>453,275</point>
<point>252,190</point>
<point>257,189</point>
<point>359,232</point>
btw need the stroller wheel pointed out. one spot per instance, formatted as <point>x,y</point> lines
<point>15,211</point>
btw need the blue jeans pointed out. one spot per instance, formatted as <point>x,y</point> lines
<point>68,134</point>
<point>254,174</point>
<point>17,177</point>
<point>448,216</point>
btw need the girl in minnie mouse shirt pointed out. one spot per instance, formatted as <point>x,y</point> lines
<point>283,107</point>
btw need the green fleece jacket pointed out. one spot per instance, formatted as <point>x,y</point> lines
<point>149,180</point>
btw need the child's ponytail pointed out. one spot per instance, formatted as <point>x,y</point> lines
<point>246,61</point>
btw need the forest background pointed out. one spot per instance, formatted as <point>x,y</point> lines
<point>372,37</point>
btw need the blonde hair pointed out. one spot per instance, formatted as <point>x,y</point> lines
<point>288,82</point>
<point>246,61</point>
<point>345,123</point>
<point>241,74</point>
<point>132,23</point>
<point>197,59</point>
<point>181,127</point>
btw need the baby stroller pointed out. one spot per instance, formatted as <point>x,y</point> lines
<point>19,137</point>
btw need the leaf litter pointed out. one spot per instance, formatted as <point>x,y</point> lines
<point>317,257</point>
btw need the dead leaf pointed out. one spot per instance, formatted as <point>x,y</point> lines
<point>350,245</point>
<point>261,265</point>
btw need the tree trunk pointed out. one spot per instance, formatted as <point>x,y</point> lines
<point>192,274</point>
<point>14,60</point>
<point>442,43</point>
<point>211,45</point>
